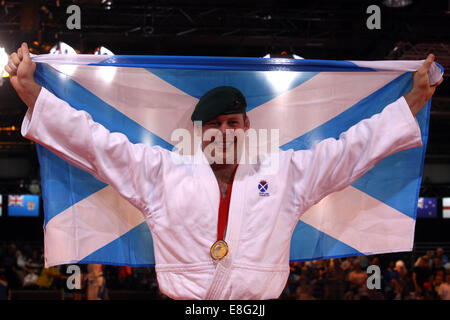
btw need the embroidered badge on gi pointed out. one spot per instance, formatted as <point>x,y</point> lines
<point>263,186</point>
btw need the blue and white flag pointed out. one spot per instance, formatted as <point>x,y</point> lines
<point>148,97</point>
<point>23,205</point>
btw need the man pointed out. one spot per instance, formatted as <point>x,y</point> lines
<point>243,253</point>
<point>440,254</point>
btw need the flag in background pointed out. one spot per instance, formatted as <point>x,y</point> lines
<point>147,97</point>
<point>23,205</point>
<point>427,208</point>
<point>446,207</point>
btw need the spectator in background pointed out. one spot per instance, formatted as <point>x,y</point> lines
<point>141,280</point>
<point>374,261</point>
<point>111,274</point>
<point>305,290</point>
<point>403,286</point>
<point>125,276</point>
<point>21,264</point>
<point>33,267</point>
<point>293,282</point>
<point>35,262</point>
<point>346,265</point>
<point>388,275</point>
<point>428,292</point>
<point>437,282</point>
<point>153,283</point>
<point>146,281</point>
<point>357,279</point>
<point>447,267</point>
<point>46,279</point>
<point>96,284</point>
<point>363,261</point>
<point>429,257</point>
<point>437,267</point>
<point>297,266</point>
<point>421,273</point>
<point>319,282</point>
<point>307,271</point>
<point>357,276</point>
<point>444,288</point>
<point>400,267</point>
<point>335,279</point>
<point>440,254</point>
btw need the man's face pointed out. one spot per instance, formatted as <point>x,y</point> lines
<point>220,135</point>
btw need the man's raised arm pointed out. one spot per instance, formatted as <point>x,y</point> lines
<point>422,89</point>
<point>21,73</point>
<point>333,164</point>
<point>134,170</point>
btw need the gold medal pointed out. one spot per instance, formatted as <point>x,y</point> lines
<point>219,250</point>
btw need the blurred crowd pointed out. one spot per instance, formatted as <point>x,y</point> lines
<point>22,268</point>
<point>427,278</point>
<point>395,277</point>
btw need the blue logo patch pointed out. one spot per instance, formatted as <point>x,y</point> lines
<point>263,186</point>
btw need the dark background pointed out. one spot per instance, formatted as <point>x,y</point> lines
<point>311,29</point>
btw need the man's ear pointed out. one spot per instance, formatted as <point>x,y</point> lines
<point>246,123</point>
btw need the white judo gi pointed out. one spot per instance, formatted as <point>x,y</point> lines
<point>180,202</point>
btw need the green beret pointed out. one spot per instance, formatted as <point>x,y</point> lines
<point>218,101</point>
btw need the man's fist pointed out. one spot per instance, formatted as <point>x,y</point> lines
<point>422,90</point>
<point>21,73</point>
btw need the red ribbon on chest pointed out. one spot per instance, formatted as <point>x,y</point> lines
<point>224,207</point>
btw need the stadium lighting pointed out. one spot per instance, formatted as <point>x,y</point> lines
<point>103,51</point>
<point>280,80</point>
<point>3,62</point>
<point>62,48</point>
<point>107,4</point>
<point>105,73</point>
<point>283,55</point>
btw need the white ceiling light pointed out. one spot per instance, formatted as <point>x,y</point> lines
<point>62,48</point>
<point>3,62</point>
<point>103,51</point>
<point>281,80</point>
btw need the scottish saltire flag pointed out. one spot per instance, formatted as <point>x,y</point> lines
<point>147,97</point>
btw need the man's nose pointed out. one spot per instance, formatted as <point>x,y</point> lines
<point>223,129</point>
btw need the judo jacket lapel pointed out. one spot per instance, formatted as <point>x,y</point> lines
<point>235,215</point>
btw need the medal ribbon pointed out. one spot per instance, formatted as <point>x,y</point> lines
<point>224,206</point>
